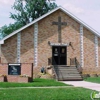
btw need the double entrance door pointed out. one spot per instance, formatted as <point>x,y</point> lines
<point>59,55</point>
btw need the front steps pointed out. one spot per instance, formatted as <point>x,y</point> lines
<point>65,73</point>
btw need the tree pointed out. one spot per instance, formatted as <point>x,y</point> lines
<point>28,10</point>
<point>25,12</point>
<point>5,30</point>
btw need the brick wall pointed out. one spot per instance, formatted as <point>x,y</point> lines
<point>89,51</point>
<point>49,32</point>
<point>71,33</point>
<point>3,69</point>
<point>9,50</point>
<point>27,45</point>
<point>26,69</point>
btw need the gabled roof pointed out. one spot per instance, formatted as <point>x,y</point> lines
<point>45,15</point>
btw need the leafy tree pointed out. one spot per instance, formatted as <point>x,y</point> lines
<point>5,30</point>
<point>25,12</point>
<point>28,10</point>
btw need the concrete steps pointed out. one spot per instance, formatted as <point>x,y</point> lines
<point>67,73</point>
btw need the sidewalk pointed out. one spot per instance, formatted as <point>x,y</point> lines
<point>37,87</point>
<point>84,84</point>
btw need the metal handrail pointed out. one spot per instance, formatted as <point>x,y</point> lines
<point>61,74</point>
<point>78,66</point>
<point>55,72</point>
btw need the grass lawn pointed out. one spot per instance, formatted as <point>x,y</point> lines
<point>35,83</point>
<point>69,93</point>
<point>93,79</point>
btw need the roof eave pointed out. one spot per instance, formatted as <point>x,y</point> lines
<point>45,15</point>
<point>80,21</point>
<point>1,42</point>
<point>36,20</point>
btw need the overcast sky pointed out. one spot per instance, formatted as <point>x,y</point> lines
<point>86,10</point>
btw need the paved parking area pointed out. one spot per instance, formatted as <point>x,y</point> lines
<point>84,84</point>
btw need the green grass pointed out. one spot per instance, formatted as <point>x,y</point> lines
<point>93,79</point>
<point>69,93</point>
<point>35,83</point>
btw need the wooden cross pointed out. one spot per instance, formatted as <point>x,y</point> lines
<point>59,23</point>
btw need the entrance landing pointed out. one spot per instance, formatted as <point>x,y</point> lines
<point>84,84</point>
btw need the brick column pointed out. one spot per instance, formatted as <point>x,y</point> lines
<point>81,46</point>
<point>96,51</point>
<point>35,44</point>
<point>18,47</point>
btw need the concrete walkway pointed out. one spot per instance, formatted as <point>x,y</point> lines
<point>47,87</point>
<point>84,84</point>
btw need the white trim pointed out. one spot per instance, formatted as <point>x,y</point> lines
<point>59,44</point>
<point>80,21</point>
<point>45,15</point>
<point>35,44</point>
<point>81,46</point>
<point>0,50</point>
<point>1,41</point>
<point>14,64</point>
<point>18,47</point>
<point>96,50</point>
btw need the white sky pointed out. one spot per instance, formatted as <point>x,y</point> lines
<point>86,10</point>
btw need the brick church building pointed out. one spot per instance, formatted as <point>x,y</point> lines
<point>57,38</point>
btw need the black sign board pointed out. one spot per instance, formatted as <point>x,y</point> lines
<point>14,69</point>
